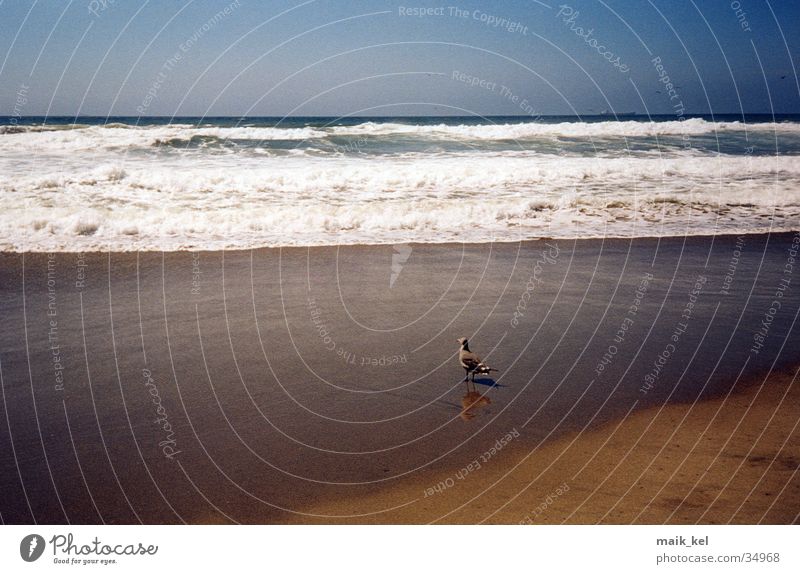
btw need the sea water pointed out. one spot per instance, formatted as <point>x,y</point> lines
<point>123,184</point>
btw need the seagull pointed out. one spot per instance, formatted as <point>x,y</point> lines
<point>470,361</point>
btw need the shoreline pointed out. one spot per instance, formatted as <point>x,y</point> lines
<point>530,240</point>
<point>251,386</point>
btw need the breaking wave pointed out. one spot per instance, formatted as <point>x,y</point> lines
<point>116,136</point>
<point>483,196</point>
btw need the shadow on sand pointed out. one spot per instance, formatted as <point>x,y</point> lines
<point>487,382</point>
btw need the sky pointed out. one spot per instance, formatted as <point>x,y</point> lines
<point>372,57</point>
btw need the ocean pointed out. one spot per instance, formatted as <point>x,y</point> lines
<point>127,184</point>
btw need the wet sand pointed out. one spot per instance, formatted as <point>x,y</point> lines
<point>321,385</point>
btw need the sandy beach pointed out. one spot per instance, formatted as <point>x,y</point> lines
<point>643,380</point>
<point>726,460</point>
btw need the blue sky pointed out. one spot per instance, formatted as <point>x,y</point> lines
<point>106,57</point>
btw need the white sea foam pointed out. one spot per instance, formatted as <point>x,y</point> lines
<point>119,138</point>
<point>250,202</point>
<point>693,126</point>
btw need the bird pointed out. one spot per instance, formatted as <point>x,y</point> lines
<point>470,361</point>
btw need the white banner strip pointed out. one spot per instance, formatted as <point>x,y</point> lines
<point>390,549</point>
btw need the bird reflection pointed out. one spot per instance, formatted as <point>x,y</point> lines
<point>471,402</point>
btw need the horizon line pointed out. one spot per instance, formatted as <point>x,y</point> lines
<point>293,116</point>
